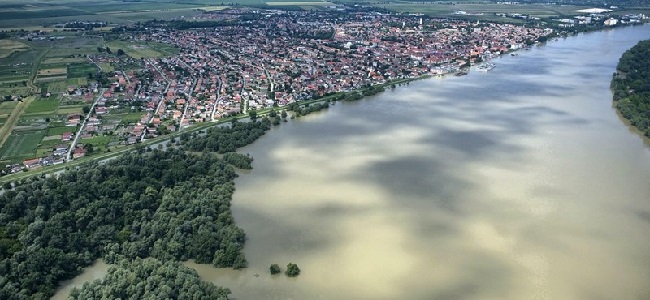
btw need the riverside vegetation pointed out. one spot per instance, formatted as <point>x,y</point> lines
<point>631,86</point>
<point>171,205</point>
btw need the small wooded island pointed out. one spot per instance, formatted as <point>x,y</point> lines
<point>631,86</point>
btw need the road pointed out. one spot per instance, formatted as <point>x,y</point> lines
<point>83,124</point>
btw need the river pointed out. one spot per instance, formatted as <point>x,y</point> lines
<point>518,183</point>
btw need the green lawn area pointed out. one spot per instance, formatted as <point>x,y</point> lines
<point>129,118</point>
<point>21,145</point>
<point>42,107</point>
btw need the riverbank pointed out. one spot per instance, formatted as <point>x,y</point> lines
<point>631,87</point>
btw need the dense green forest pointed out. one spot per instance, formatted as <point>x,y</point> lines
<point>170,205</point>
<point>226,139</point>
<point>149,279</point>
<point>631,86</point>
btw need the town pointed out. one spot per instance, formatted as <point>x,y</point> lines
<point>241,60</point>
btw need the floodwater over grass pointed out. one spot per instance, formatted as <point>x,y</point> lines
<point>518,183</point>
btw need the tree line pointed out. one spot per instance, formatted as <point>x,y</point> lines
<point>631,86</point>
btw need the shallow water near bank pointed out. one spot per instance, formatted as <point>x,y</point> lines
<point>518,183</point>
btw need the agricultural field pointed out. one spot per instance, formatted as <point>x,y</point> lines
<point>42,107</point>
<point>21,145</point>
<point>6,107</point>
<point>63,60</point>
<point>59,130</point>
<point>81,70</point>
<point>8,47</point>
<point>72,46</point>
<point>487,9</point>
<point>212,8</point>
<point>299,3</point>
<point>70,109</point>
<point>52,72</point>
<point>62,85</point>
<point>41,14</point>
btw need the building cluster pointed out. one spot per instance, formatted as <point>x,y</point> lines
<point>275,58</point>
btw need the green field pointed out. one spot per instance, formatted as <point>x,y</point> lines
<point>70,109</point>
<point>81,70</point>
<point>299,3</point>
<point>6,107</point>
<point>123,117</point>
<point>143,50</point>
<point>8,47</point>
<point>63,60</point>
<point>98,141</point>
<point>19,90</point>
<point>487,9</point>
<point>45,13</point>
<point>62,85</point>
<point>21,145</point>
<point>42,107</point>
<point>107,67</point>
<point>59,130</point>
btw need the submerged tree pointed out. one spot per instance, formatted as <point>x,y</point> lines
<point>292,270</point>
<point>275,269</point>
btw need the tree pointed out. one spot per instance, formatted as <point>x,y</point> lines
<point>292,270</point>
<point>275,269</point>
<point>252,114</point>
<point>120,52</point>
<point>86,109</point>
